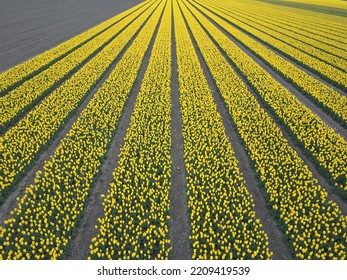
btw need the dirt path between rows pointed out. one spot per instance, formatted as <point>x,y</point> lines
<point>180,228</point>
<point>277,240</point>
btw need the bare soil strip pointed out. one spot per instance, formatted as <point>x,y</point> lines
<point>333,193</point>
<point>277,240</point>
<point>303,67</point>
<point>79,248</point>
<point>28,28</point>
<point>10,202</point>
<point>180,223</point>
<point>45,94</point>
<point>7,90</point>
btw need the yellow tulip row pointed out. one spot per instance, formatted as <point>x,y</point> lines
<point>223,221</point>
<point>328,149</point>
<point>324,95</point>
<point>22,143</point>
<point>26,95</point>
<point>42,225</point>
<point>136,209</point>
<point>14,75</point>
<point>312,43</point>
<point>326,28</point>
<point>320,67</point>
<point>315,226</point>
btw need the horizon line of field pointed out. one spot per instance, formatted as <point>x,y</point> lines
<point>28,171</point>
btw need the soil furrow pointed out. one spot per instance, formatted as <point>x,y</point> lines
<point>180,223</point>
<point>44,19</point>
<point>277,240</point>
<point>86,229</point>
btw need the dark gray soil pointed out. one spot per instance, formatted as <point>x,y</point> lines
<point>30,27</point>
<point>180,223</point>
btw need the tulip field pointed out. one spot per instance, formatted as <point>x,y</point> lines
<point>181,129</point>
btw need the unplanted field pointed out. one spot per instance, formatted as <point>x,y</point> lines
<point>28,28</point>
